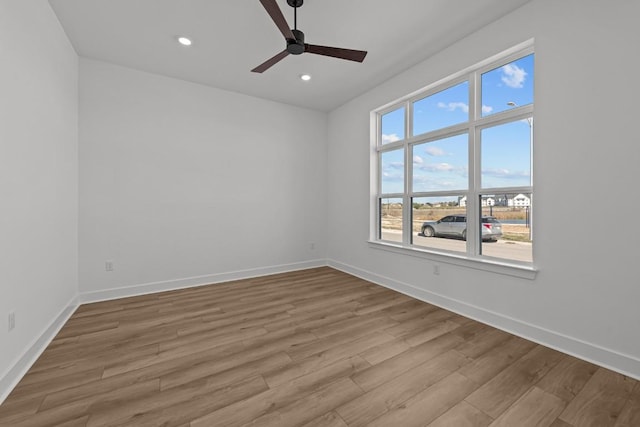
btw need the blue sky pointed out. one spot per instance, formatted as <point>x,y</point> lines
<point>443,165</point>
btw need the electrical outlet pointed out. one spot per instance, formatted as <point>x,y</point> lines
<point>436,269</point>
<point>12,321</point>
<point>108,265</point>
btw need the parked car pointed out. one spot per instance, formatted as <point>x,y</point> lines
<point>456,226</point>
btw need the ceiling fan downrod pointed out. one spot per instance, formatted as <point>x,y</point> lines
<point>296,46</point>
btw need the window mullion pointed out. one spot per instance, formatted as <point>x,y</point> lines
<point>407,219</point>
<point>473,244</point>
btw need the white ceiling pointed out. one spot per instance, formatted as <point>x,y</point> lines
<point>233,36</point>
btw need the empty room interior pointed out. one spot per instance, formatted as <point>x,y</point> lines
<point>410,216</point>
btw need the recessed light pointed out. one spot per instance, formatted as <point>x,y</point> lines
<point>184,41</point>
<point>305,77</point>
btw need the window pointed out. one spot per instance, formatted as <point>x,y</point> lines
<point>454,165</point>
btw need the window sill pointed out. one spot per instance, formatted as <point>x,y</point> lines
<point>484,264</point>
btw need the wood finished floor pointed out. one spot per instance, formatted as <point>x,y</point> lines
<point>311,348</point>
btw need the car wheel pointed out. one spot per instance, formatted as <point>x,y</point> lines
<point>428,232</point>
<point>464,234</point>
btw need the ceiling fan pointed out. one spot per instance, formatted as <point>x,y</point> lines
<point>295,39</point>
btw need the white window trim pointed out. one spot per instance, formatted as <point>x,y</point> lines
<point>470,258</point>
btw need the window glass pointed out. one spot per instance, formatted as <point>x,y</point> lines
<point>506,226</point>
<point>392,126</point>
<point>442,109</point>
<point>392,164</point>
<point>390,215</point>
<point>435,223</point>
<point>506,154</point>
<point>507,86</point>
<point>441,165</point>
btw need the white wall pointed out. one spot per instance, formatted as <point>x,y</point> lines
<point>182,184</point>
<point>38,180</point>
<point>586,293</point>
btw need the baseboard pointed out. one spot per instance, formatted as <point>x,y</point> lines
<point>610,359</point>
<point>190,282</point>
<point>20,368</point>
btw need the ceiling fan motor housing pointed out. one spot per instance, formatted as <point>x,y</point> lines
<point>296,47</point>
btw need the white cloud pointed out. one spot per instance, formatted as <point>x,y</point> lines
<point>429,183</point>
<point>390,138</point>
<point>417,160</point>
<point>486,109</point>
<point>438,167</point>
<point>453,106</point>
<point>514,76</point>
<point>505,173</point>
<point>434,151</point>
<point>442,167</point>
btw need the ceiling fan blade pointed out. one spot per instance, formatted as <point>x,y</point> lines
<point>336,52</point>
<point>278,18</point>
<point>270,62</point>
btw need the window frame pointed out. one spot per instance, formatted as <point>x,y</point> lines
<point>472,257</point>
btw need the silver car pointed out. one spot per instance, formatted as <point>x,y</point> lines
<point>456,226</point>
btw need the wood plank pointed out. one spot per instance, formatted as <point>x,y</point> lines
<point>567,378</point>
<point>83,406</point>
<point>409,310</point>
<point>477,345</point>
<point>310,320</point>
<point>601,400</point>
<point>463,415</point>
<point>58,382</point>
<point>178,408</point>
<point>495,396</point>
<point>311,406</point>
<point>491,363</point>
<point>338,339</point>
<point>391,368</point>
<point>424,335</point>
<point>151,372</point>
<point>175,351</point>
<point>375,320</point>
<point>429,404</point>
<point>254,407</point>
<point>410,326</point>
<point>214,371</point>
<point>78,422</point>
<point>325,358</point>
<point>376,402</point>
<point>630,415</point>
<point>387,350</point>
<point>386,301</point>
<point>15,409</point>
<point>536,408</point>
<point>330,419</point>
<point>559,423</point>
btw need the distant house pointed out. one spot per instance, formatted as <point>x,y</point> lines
<point>485,201</point>
<point>518,201</point>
